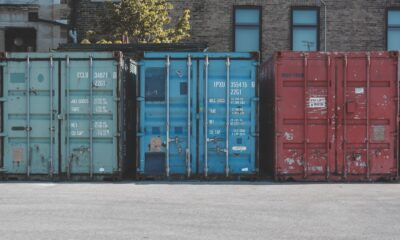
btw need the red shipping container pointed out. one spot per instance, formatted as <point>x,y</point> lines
<point>331,116</point>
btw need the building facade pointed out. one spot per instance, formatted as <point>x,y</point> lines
<point>273,25</point>
<point>33,25</point>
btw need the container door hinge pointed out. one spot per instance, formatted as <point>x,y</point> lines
<point>117,99</point>
<point>2,134</point>
<point>60,116</point>
<point>117,135</point>
<point>3,99</point>
<point>140,99</point>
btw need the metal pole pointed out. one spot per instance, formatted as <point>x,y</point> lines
<point>228,64</point>
<point>167,118</point>
<point>325,23</point>
<point>189,89</point>
<point>206,119</point>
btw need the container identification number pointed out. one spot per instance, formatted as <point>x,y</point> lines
<point>95,75</point>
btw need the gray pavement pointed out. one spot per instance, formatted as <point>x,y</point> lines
<point>153,210</point>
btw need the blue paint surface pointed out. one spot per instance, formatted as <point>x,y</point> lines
<point>208,144</point>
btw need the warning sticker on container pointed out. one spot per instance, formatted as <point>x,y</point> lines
<point>239,148</point>
<point>359,90</point>
<point>379,133</point>
<point>245,169</point>
<point>317,102</point>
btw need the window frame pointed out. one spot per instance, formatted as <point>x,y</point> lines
<point>234,25</point>
<point>387,27</point>
<point>317,26</point>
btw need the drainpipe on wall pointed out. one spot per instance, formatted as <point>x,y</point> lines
<point>325,24</point>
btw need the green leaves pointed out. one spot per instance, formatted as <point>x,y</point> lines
<point>144,21</point>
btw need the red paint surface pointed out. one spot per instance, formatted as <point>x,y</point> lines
<point>335,115</point>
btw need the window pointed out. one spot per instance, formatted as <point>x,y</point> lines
<point>155,84</point>
<point>305,29</point>
<point>20,39</point>
<point>393,29</point>
<point>247,29</point>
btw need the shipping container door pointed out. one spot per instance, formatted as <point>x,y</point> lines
<point>90,105</point>
<point>30,116</point>
<point>227,127</point>
<point>367,103</point>
<point>304,116</point>
<point>167,126</point>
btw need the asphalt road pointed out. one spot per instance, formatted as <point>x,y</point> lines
<point>151,210</point>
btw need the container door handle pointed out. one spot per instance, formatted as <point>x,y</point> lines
<point>398,113</point>
<point>228,64</point>
<point>51,163</point>
<point>67,87</point>
<point>206,63</point>
<point>91,116</point>
<point>253,122</point>
<point>28,114</point>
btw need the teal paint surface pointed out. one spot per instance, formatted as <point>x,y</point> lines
<point>80,111</point>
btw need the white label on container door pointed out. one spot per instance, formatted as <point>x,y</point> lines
<point>101,169</point>
<point>245,169</point>
<point>239,148</point>
<point>317,102</point>
<point>359,90</point>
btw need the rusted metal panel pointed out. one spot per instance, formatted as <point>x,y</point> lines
<point>335,115</point>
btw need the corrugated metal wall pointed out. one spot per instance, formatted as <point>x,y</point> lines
<point>198,114</point>
<point>61,114</point>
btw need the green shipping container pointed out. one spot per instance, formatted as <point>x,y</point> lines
<point>63,114</point>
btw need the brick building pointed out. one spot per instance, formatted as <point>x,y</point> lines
<point>271,25</point>
<point>33,25</point>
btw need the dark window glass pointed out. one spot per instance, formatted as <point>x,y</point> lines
<point>393,30</point>
<point>155,84</point>
<point>304,30</point>
<point>247,29</point>
<point>184,88</point>
<point>20,39</point>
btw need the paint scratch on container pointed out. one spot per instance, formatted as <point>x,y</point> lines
<point>17,154</point>
<point>288,136</point>
<point>316,168</point>
<point>289,161</point>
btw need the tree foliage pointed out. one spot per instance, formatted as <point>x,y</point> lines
<point>144,21</point>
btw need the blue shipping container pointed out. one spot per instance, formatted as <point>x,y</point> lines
<point>198,114</point>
